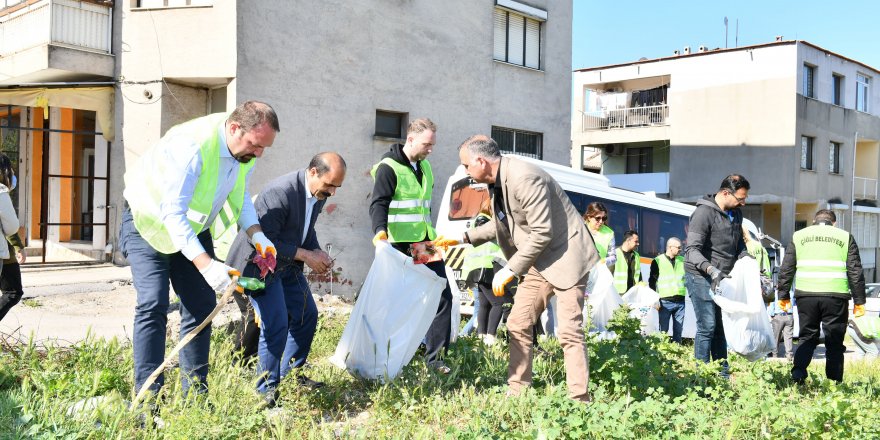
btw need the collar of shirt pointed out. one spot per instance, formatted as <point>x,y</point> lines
<point>310,205</point>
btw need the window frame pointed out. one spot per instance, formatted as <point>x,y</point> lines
<point>514,131</point>
<point>863,82</point>
<point>807,153</point>
<point>834,157</point>
<point>526,20</point>
<point>645,160</point>
<point>402,121</point>
<point>837,92</point>
<point>808,88</point>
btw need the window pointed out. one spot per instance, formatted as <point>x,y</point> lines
<point>863,83</point>
<point>523,143</point>
<point>806,153</point>
<point>837,89</point>
<point>173,3</point>
<point>517,36</point>
<point>834,157</point>
<point>390,124</point>
<point>809,74</point>
<point>639,160</point>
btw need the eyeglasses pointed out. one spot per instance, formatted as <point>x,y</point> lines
<point>601,219</point>
<point>740,200</point>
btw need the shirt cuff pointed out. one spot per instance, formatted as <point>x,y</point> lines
<point>192,250</point>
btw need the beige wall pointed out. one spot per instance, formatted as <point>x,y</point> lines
<point>868,153</point>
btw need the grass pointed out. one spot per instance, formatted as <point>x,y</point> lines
<point>642,388</point>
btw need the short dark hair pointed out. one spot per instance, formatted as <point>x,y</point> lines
<point>629,234</point>
<point>319,162</point>
<point>251,114</point>
<point>824,216</point>
<point>734,182</point>
<point>595,208</point>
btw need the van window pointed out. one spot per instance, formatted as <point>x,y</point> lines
<point>466,198</point>
<point>657,227</point>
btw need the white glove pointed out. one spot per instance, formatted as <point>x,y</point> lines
<point>502,277</point>
<point>263,244</point>
<point>217,275</point>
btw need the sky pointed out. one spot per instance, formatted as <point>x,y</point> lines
<point>611,32</point>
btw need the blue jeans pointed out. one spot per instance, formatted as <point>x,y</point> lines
<point>288,319</point>
<point>709,339</point>
<point>151,272</point>
<point>675,309</point>
<point>471,325</point>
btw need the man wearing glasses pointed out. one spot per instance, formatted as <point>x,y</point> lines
<point>714,243</point>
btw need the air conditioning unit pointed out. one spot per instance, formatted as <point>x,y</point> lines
<point>615,150</point>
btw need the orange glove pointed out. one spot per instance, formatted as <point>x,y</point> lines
<point>859,310</point>
<point>501,278</point>
<point>785,305</point>
<point>380,236</point>
<point>263,245</point>
<point>444,243</point>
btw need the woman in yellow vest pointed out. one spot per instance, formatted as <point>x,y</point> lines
<point>478,271</point>
<point>596,219</point>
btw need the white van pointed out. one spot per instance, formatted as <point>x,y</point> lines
<point>655,219</point>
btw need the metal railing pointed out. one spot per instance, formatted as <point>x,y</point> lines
<point>72,23</point>
<point>647,116</point>
<point>864,188</point>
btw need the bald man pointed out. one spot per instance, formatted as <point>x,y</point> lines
<point>288,208</point>
<point>667,279</point>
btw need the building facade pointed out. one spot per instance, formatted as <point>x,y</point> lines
<point>344,76</point>
<point>800,122</point>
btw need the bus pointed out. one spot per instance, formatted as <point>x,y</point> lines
<point>654,219</point>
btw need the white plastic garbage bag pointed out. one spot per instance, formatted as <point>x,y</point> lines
<point>397,304</point>
<point>645,304</point>
<point>603,299</point>
<point>746,322</point>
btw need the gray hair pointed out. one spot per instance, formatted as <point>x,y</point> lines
<point>672,241</point>
<point>480,145</point>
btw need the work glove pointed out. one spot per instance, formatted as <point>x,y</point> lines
<point>858,310</point>
<point>380,236</point>
<point>784,305</point>
<point>716,276</point>
<point>442,242</point>
<point>263,244</point>
<point>218,275</point>
<point>501,279</point>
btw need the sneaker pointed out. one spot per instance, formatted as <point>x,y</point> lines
<point>440,367</point>
<point>489,339</point>
<point>270,399</point>
<point>304,381</point>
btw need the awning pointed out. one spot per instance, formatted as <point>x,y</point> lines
<point>96,99</point>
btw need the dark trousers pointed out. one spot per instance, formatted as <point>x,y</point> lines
<point>437,338</point>
<point>492,309</point>
<point>10,286</point>
<point>151,272</point>
<point>832,313</point>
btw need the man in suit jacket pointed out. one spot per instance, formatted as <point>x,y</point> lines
<point>546,245</point>
<point>288,208</point>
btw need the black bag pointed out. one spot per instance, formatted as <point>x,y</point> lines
<point>768,291</point>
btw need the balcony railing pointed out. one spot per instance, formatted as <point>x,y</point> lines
<point>79,24</point>
<point>626,117</point>
<point>864,188</point>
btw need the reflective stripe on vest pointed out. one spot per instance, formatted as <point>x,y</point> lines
<point>670,281</point>
<point>149,193</point>
<point>602,238</point>
<point>821,259</point>
<point>621,268</point>
<point>409,213</point>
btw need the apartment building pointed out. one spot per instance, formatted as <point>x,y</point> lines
<point>802,123</point>
<point>344,76</point>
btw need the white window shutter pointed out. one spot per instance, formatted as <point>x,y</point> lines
<point>516,32</point>
<point>533,43</point>
<point>500,50</point>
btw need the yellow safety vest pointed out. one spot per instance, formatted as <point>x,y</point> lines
<point>670,281</point>
<point>409,214</point>
<point>821,259</point>
<point>621,269</point>
<point>602,238</point>
<point>148,193</point>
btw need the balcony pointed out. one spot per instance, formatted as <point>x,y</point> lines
<point>55,40</point>
<point>647,116</point>
<point>864,188</point>
<point>657,183</point>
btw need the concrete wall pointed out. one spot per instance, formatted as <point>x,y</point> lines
<point>328,66</point>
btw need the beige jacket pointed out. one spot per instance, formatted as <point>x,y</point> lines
<point>545,230</point>
<point>8,219</point>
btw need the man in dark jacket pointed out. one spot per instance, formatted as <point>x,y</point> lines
<point>288,208</point>
<point>401,213</point>
<point>823,263</point>
<point>714,243</point>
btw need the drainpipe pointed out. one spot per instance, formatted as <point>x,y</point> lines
<point>852,201</point>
